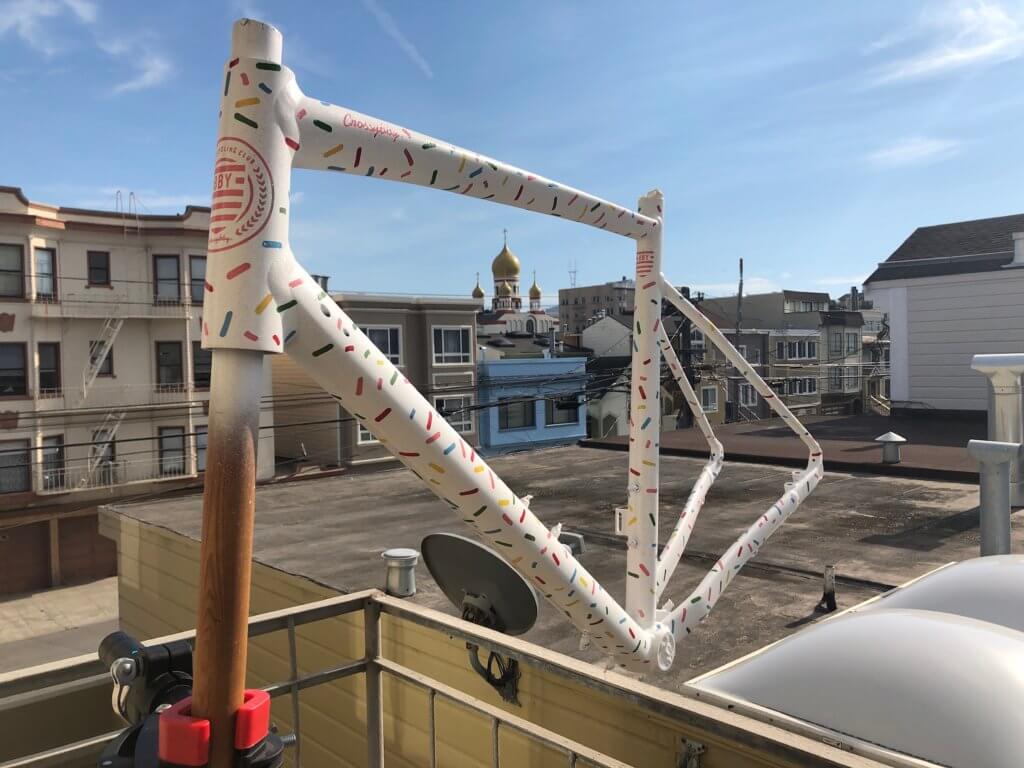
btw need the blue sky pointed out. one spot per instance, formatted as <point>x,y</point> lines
<point>810,138</point>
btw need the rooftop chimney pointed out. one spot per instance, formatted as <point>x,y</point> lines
<point>1018,250</point>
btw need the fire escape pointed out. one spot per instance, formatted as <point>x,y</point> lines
<point>100,467</point>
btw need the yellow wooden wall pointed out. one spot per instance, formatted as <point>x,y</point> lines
<point>158,585</point>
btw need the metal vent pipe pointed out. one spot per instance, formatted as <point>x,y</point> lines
<point>1005,411</point>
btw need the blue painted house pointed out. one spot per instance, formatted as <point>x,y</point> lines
<point>533,403</point>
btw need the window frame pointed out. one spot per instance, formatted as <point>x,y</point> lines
<point>108,361</point>
<point>465,412</point>
<point>89,282</point>
<point>855,338</point>
<point>707,408</point>
<point>398,338</point>
<point>23,283</point>
<point>438,359</point>
<point>25,449</point>
<point>529,406</point>
<point>550,409</point>
<point>836,335</point>
<point>52,295</point>
<point>747,395</point>
<point>25,389</point>
<point>171,432</point>
<point>192,279</point>
<point>202,430</point>
<point>369,439</point>
<point>157,280</point>
<point>170,386</point>
<point>60,468</point>
<point>48,391</point>
<point>197,352</point>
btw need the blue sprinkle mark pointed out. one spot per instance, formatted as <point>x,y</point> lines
<point>226,324</point>
<point>289,336</point>
<point>433,178</point>
<point>622,620</point>
<point>477,172</point>
<point>673,626</point>
<point>573,577</point>
<point>449,449</point>
<point>271,244</point>
<point>369,171</point>
<point>412,414</point>
<point>646,422</point>
<point>266,88</point>
<point>335,168</point>
<point>449,189</point>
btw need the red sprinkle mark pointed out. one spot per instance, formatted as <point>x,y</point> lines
<point>433,437</point>
<point>245,79</point>
<point>631,633</point>
<point>232,63</point>
<point>339,323</point>
<point>277,339</point>
<point>382,415</point>
<point>380,384</point>
<point>359,386</point>
<point>656,324</point>
<point>468,187</point>
<point>206,329</point>
<point>652,490</point>
<point>520,192</point>
<point>647,361</point>
<point>598,219</point>
<point>491,475</point>
<point>530,178</point>
<point>522,515</point>
<point>462,447</point>
<point>471,491</point>
<point>555,558</point>
<point>206,284</point>
<point>408,453</point>
<point>245,266</point>
<point>408,157</point>
<point>291,143</point>
<point>300,114</point>
<point>383,171</point>
<point>739,551</point>
<point>573,199</point>
<point>643,570</point>
<point>634,472</point>
<point>643,394</point>
<point>350,348</point>
<point>506,518</point>
<point>430,420</point>
<point>472,455</point>
<point>407,173</point>
<point>651,284</point>
<point>295,283</point>
<point>359,154</point>
<point>251,336</point>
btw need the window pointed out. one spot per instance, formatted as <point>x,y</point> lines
<point>200,449</point>
<point>780,350</point>
<point>365,436</point>
<point>107,366</point>
<point>12,271</point>
<point>709,399</point>
<point>806,386</point>
<point>103,447</point>
<point>386,338</point>
<point>99,267</point>
<point>455,409</point>
<point>167,279</point>
<point>835,342</point>
<point>49,368</point>
<point>755,357</point>
<point>852,343</point>
<point>46,276</point>
<point>851,377</point>
<point>172,450</point>
<point>696,338</point>
<point>168,364</point>
<point>202,365</point>
<point>835,378</point>
<point>452,346</point>
<point>561,410</point>
<point>742,349</point>
<point>197,277</point>
<point>13,376</point>
<point>748,395</point>
<point>53,462</point>
<point>812,350</point>
<point>515,413</point>
<point>15,474</point>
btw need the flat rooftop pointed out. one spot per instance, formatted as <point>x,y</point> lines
<point>877,530</point>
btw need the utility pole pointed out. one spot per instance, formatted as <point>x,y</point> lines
<point>736,342</point>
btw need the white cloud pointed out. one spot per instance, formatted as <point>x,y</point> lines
<point>296,197</point>
<point>26,19</point>
<point>105,198</point>
<point>390,28</point>
<point>918,150</point>
<point>154,69</point>
<point>961,34</point>
<point>750,285</point>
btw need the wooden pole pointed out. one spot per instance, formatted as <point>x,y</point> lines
<point>225,558</point>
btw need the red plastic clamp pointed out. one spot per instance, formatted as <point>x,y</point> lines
<point>184,740</point>
<point>253,721</point>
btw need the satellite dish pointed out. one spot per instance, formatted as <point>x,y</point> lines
<point>481,584</point>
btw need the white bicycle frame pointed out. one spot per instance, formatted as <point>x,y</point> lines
<point>259,298</point>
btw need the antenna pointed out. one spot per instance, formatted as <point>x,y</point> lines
<point>572,273</point>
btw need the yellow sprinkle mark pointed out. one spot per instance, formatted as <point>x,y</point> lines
<point>503,502</point>
<point>334,150</point>
<point>380,362</point>
<point>247,102</point>
<point>641,407</point>
<point>435,482</point>
<point>583,582</point>
<point>264,304</point>
<point>632,521</point>
<point>517,560</point>
<point>648,463</point>
<point>479,469</point>
<point>462,164</point>
<point>436,468</point>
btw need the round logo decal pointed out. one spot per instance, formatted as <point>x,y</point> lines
<point>243,195</point>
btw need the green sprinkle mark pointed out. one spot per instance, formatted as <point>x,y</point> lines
<point>245,120</point>
<point>480,511</point>
<point>325,348</point>
<point>394,378</point>
<point>268,65</point>
<point>322,126</point>
<point>287,305</point>
<point>429,146</point>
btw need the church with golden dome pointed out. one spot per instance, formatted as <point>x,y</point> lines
<point>506,316</point>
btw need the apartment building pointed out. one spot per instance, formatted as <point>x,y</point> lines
<point>103,382</point>
<point>432,340</point>
<point>809,352</point>
<point>579,306</point>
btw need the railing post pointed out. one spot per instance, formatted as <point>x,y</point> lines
<point>374,694</point>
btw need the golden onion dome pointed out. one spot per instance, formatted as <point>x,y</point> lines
<point>504,289</point>
<point>505,264</point>
<point>535,289</point>
<point>478,292</point>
